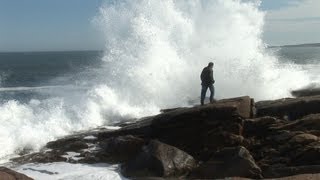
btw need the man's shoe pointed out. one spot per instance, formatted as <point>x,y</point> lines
<point>213,101</point>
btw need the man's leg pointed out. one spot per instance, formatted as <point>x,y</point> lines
<point>211,88</point>
<point>203,93</point>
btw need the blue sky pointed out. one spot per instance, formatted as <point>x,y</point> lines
<point>31,25</point>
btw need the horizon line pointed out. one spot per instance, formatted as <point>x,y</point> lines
<point>295,45</point>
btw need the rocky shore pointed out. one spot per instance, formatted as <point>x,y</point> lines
<point>229,138</point>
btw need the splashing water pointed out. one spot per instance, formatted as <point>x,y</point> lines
<point>154,53</point>
<point>158,48</point>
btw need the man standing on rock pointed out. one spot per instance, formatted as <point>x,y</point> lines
<point>207,81</point>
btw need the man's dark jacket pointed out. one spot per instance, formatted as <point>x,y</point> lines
<point>207,76</point>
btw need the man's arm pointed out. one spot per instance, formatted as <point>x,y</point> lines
<point>201,75</point>
<point>211,77</point>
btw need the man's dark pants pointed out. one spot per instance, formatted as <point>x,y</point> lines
<point>204,91</point>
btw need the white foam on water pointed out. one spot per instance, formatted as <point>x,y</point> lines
<point>90,138</point>
<point>67,171</point>
<point>72,156</point>
<point>155,51</point>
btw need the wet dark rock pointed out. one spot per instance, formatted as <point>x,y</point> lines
<point>289,108</point>
<point>120,149</point>
<point>229,162</point>
<point>60,143</point>
<point>41,157</point>
<point>8,174</point>
<point>159,160</point>
<point>75,146</point>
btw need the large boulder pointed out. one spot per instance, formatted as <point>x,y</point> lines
<point>159,160</point>
<point>8,174</point>
<point>229,162</point>
<point>289,108</point>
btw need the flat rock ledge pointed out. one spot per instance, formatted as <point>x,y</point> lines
<point>235,138</point>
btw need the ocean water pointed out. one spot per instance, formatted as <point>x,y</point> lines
<point>24,74</point>
<point>306,58</point>
<point>154,52</point>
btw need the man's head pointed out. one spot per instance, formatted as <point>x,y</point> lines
<point>210,65</point>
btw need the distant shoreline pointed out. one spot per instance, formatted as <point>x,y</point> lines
<point>298,45</point>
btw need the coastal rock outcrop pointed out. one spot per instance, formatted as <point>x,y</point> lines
<point>231,137</point>
<point>289,108</point>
